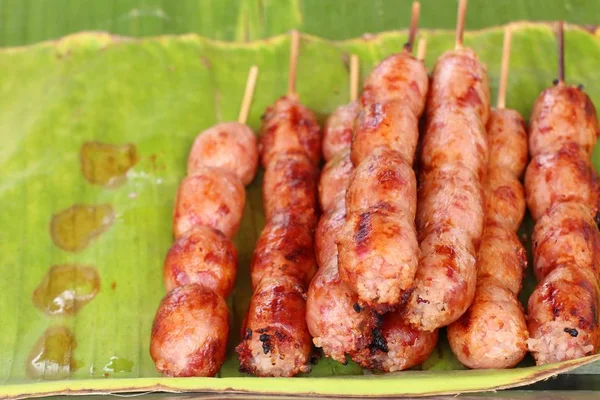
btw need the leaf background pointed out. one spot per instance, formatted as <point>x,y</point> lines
<point>159,93</point>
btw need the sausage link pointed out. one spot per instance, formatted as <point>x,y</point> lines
<point>563,309</point>
<point>335,320</point>
<point>501,259</point>
<point>334,179</point>
<point>190,331</point>
<point>562,114</point>
<point>289,188</point>
<point>450,212</point>
<point>210,197</point>
<point>378,255</point>
<point>397,345</point>
<point>566,234</point>
<point>275,337</point>
<point>556,177</point>
<point>563,315</point>
<point>205,256</point>
<point>392,101</point>
<point>339,129</point>
<point>191,326</point>
<point>230,146</point>
<point>289,126</point>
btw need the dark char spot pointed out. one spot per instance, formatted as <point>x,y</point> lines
<point>572,331</point>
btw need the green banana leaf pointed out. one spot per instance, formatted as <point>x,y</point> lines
<point>156,94</point>
<point>30,21</point>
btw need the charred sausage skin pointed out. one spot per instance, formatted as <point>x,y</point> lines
<point>275,336</point>
<point>561,190</point>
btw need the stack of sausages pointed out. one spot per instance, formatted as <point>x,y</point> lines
<point>276,341</point>
<point>493,332</point>
<point>562,197</point>
<point>191,327</point>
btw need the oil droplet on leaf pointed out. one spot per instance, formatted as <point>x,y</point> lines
<point>73,228</point>
<point>118,364</point>
<point>52,355</point>
<point>66,288</point>
<point>107,164</point>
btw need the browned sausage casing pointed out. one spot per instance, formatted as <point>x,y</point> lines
<point>275,337</point>
<point>450,215</point>
<point>563,309</point>
<point>492,333</point>
<point>339,129</point>
<point>392,101</point>
<point>397,345</point>
<point>190,331</point>
<point>289,126</point>
<point>334,179</point>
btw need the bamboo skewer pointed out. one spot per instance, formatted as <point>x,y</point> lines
<point>414,23</point>
<point>460,23</point>
<point>561,52</point>
<point>248,95</point>
<point>354,72</point>
<point>294,48</point>
<point>501,101</point>
<point>422,49</point>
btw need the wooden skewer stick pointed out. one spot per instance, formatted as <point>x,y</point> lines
<point>248,94</point>
<point>422,49</point>
<point>501,102</point>
<point>414,23</point>
<point>460,23</point>
<point>294,47</point>
<point>354,70</point>
<point>561,52</point>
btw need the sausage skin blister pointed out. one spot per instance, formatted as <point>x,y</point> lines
<point>561,190</point>
<point>451,205</point>
<point>492,333</point>
<point>275,336</point>
<point>191,326</point>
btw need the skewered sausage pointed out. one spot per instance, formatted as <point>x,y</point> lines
<point>335,320</point>
<point>451,208</point>
<point>210,197</point>
<point>492,333</point>
<point>339,129</point>
<point>275,337</point>
<point>563,309</point>
<point>230,146</point>
<point>190,331</point>
<point>191,326</point>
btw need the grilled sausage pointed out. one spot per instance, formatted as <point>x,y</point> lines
<point>397,345</point>
<point>450,215</point>
<point>230,146</point>
<point>334,178</point>
<point>190,331</point>
<point>392,102</point>
<point>563,309</point>
<point>289,126</point>
<point>211,197</point>
<point>205,256</point>
<point>275,337</point>
<point>339,129</point>
<point>191,327</point>
<point>501,260</point>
